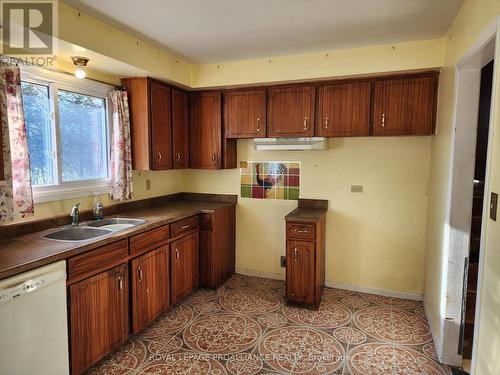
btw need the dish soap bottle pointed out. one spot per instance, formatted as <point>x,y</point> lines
<point>98,208</point>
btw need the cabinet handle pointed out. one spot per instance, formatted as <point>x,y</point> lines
<point>120,284</point>
<point>178,157</point>
<point>295,254</point>
<point>305,123</point>
<point>140,274</point>
<point>302,231</point>
<point>258,125</point>
<point>176,255</point>
<point>186,226</point>
<point>326,122</point>
<point>213,157</point>
<point>383,119</point>
<point>159,156</point>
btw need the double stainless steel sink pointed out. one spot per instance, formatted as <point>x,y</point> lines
<point>94,229</point>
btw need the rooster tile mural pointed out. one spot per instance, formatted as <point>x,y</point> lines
<point>270,179</point>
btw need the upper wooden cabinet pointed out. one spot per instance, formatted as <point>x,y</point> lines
<point>151,115</point>
<point>290,111</point>
<point>180,115</point>
<point>344,109</point>
<point>245,113</point>
<point>405,105</point>
<point>207,146</point>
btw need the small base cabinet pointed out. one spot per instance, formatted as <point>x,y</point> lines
<point>305,253</point>
<point>217,246</point>
<point>98,310</point>
<point>184,261</point>
<point>150,287</point>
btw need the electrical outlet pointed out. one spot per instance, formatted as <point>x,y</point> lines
<point>356,188</point>
<point>148,184</point>
<point>283,261</point>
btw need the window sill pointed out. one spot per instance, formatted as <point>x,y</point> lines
<point>43,194</point>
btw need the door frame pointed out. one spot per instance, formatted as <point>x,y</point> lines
<point>460,191</point>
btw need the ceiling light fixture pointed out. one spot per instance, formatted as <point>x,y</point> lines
<point>80,62</point>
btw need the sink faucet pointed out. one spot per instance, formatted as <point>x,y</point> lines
<point>75,214</point>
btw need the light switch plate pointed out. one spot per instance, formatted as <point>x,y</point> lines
<point>356,188</point>
<point>493,206</point>
<point>148,184</point>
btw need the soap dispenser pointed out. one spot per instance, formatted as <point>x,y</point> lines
<point>98,208</point>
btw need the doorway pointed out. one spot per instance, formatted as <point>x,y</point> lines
<point>461,232</point>
<point>478,198</point>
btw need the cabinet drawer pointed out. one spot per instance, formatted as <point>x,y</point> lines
<point>206,221</point>
<point>184,226</point>
<point>149,240</point>
<point>91,262</point>
<point>301,231</point>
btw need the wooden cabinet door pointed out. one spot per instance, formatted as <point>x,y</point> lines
<point>344,110</point>
<point>161,126</point>
<point>180,114</point>
<point>205,130</point>
<point>290,111</point>
<point>300,281</point>
<point>184,260</point>
<point>207,265</point>
<point>245,113</point>
<point>405,106</point>
<point>98,316</point>
<point>150,287</point>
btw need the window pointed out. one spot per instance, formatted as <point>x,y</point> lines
<point>68,135</point>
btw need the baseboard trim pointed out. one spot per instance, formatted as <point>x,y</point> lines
<point>437,344</point>
<point>380,292</point>
<point>334,284</point>
<point>266,275</point>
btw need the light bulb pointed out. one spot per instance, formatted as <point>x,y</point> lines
<point>80,73</point>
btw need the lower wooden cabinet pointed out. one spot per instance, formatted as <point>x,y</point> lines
<point>300,268</point>
<point>150,287</point>
<point>184,261</point>
<point>98,310</point>
<point>217,246</point>
<point>305,252</point>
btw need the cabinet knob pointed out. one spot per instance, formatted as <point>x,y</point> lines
<point>176,255</point>
<point>139,270</point>
<point>305,123</point>
<point>178,156</point>
<point>383,119</point>
<point>295,254</point>
<point>258,125</point>
<point>326,122</point>
<point>214,157</point>
<point>159,156</point>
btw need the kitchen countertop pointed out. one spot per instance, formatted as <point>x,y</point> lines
<point>310,215</point>
<point>29,251</point>
<point>308,210</point>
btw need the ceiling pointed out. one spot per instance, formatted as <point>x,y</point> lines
<point>214,31</point>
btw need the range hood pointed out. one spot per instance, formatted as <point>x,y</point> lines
<point>290,144</point>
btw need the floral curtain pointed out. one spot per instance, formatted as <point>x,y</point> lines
<point>16,196</point>
<point>121,184</point>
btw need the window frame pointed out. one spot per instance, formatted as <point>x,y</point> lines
<point>56,81</point>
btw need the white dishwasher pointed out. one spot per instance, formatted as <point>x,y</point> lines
<point>33,322</point>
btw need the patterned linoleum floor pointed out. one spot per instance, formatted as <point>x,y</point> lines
<point>246,328</point>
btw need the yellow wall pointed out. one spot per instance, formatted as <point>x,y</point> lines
<point>382,58</point>
<point>375,239</point>
<point>472,19</point>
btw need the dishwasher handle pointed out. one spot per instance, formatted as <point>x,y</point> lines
<point>28,286</point>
